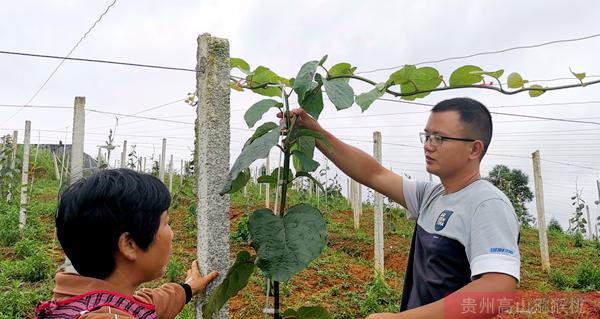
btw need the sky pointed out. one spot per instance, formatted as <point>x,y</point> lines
<point>282,35</point>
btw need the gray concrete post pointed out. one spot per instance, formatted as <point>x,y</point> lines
<point>356,203</point>
<point>378,223</point>
<point>171,174</point>
<point>213,140</point>
<point>161,171</point>
<point>539,204</point>
<point>124,155</point>
<point>24,178</point>
<point>13,160</point>
<point>78,140</point>
<point>268,186</point>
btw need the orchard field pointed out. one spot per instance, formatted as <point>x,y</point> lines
<point>342,279</point>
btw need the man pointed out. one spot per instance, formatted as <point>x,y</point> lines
<point>466,235</point>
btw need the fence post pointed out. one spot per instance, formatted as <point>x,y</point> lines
<point>78,140</point>
<point>24,178</point>
<point>124,155</point>
<point>13,160</point>
<point>171,174</point>
<point>212,156</point>
<point>161,170</point>
<point>267,185</point>
<point>378,223</point>
<point>539,203</point>
<point>356,203</point>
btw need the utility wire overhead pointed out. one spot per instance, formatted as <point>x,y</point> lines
<point>487,53</point>
<point>63,60</point>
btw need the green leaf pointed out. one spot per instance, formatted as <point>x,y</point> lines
<point>306,145</point>
<point>340,93</point>
<point>313,313</point>
<point>258,148</point>
<point>240,64</point>
<point>312,101</point>
<point>272,179</point>
<point>402,76</point>
<point>260,131</point>
<point>235,86</point>
<point>515,81</point>
<point>240,181</point>
<point>264,75</point>
<point>365,100</point>
<point>306,162</point>
<point>307,175</point>
<point>536,93</point>
<point>421,79</point>
<point>494,74</point>
<point>286,245</point>
<point>342,69</point>
<point>236,279</point>
<point>256,111</point>
<point>308,132</point>
<point>323,59</point>
<point>463,76</point>
<point>305,77</point>
<point>579,76</point>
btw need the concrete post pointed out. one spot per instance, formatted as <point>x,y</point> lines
<point>171,174</point>
<point>539,203</point>
<point>268,186</point>
<point>78,140</point>
<point>13,160</point>
<point>378,216</point>
<point>99,158</point>
<point>161,170</point>
<point>124,155</point>
<point>355,203</point>
<point>212,157</point>
<point>589,223</point>
<point>24,178</point>
<point>182,172</point>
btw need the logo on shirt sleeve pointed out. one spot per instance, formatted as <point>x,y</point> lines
<point>442,220</point>
<point>502,251</point>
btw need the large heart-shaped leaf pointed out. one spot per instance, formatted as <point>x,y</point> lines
<point>340,93</point>
<point>256,111</point>
<point>258,148</point>
<point>285,246</point>
<point>305,77</point>
<point>236,279</point>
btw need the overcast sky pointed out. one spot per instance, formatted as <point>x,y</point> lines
<point>283,35</point>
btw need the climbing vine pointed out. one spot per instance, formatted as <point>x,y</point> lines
<point>288,240</point>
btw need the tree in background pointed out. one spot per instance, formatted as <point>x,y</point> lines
<point>514,184</point>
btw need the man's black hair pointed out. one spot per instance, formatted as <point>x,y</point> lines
<point>96,210</point>
<point>474,116</point>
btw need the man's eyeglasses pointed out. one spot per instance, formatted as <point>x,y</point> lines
<point>437,139</point>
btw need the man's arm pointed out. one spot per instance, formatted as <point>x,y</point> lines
<point>491,286</point>
<point>357,164</point>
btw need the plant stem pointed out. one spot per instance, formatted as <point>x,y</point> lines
<point>284,186</point>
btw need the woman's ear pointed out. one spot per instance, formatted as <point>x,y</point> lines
<point>127,247</point>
